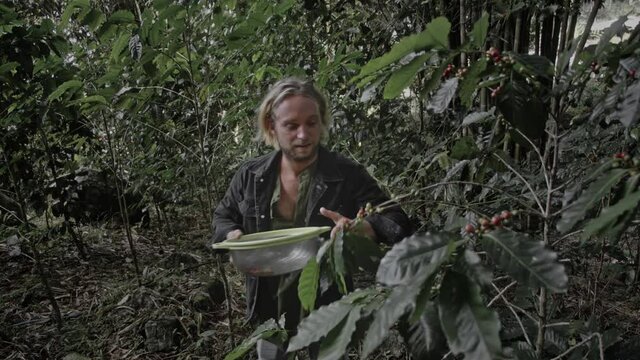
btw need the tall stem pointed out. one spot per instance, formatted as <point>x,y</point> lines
<point>463,55</point>
<point>587,29</point>
<point>40,268</point>
<point>65,211</point>
<point>122,203</point>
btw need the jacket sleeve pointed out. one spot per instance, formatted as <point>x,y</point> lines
<point>391,225</point>
<point>227,216</point>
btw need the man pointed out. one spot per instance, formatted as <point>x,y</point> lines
<point>299,184</point>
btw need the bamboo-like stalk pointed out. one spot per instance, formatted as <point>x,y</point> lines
<point>574,11</point>
<point>55,309</point>
<point>587,30</point>
<point>463,55</point>
<point>65,211</point>
<point>122,205</point>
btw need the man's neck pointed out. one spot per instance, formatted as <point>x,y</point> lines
<point>289,166</point>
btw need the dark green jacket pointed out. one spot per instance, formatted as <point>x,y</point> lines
<point>338,184</point>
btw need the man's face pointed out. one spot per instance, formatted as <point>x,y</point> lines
<point>297,126</point>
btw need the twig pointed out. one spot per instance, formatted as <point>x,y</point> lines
<point>511,308</point>
<point>582,343</point>
<point>501,292</point>
<point>526,183</point>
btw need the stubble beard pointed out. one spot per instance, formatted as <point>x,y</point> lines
<point>292,155</point>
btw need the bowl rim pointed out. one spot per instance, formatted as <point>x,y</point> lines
<point>273,238</point>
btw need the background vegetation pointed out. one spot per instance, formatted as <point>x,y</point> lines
<point>462,110</point>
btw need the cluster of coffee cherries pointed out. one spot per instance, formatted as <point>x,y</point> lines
<point>490,224</point>
<point>625,161</point>
<point>498,59</point>
<point>449,70</point>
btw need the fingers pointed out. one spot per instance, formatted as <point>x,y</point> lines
<point>336,217</point>
<point>340,221</point>
<point>234,234</point>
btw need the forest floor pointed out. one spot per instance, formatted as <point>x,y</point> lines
<point>109,313</point>
<point>176,310</point>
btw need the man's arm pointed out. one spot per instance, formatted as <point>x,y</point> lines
<point>389,226</point>
<point>227,219</point>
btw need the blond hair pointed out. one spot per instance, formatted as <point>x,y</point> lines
<point>282,90</point>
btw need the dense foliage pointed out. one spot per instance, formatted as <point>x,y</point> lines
<point>510,143</point>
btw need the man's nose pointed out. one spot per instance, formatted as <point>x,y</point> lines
<point>303,132</point>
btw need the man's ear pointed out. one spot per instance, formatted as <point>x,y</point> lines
<point>271,124</point>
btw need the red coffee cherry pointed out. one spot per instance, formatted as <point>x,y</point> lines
<point>469,229</point>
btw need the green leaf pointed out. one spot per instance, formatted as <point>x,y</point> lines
<point>308,284</point>
<point>464,148</point>
<point>364,252</point>
<point>8,67</point>
<point>479,32</point>
<point>523,110</point>
<point>425,337</point>
<point>440,101</point>
<point>435,36</point>
<point>536,65</point>
<point>66,86</point>
<point>471,265</point>
<point>576,211</point>
<point>122,17</point>
<point>119,45</point>
<point>268,329</point>
<point>628,110</point>
<point>70,10</point>
<point>525,259</point>
<point>401,299</point>
<point>470,327</point>
<point>339,266</point>
<point>478,117</point>
<point>469,82</point>
<point>155,33</point>
<point>435,79</point>
<point>422,299</point>
<point>610,214</point>
<point>616,230</point>
<point>616,28</point>
<point>403,77</point>
<point>93,19</point>
<point>284,6</point>
<point>417,255</point>
<point>318,324</point>
<point>99,99</point>
<point>334,346</point>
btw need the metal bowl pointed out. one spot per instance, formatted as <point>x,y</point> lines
<point>277,259</point>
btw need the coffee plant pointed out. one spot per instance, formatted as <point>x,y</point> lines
<point>509,138</point>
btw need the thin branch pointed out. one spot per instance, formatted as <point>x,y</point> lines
<point>501,292</point>
<point>537,151</point>
<point>511,307</point>
<point>163,89</point>
<point>527,184</point>
<point>569,350</point>
<point>396,199</point>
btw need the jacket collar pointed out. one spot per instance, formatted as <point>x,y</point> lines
<point>326,170</point>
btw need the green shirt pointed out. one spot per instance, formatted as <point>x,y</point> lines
<point>300,213</point>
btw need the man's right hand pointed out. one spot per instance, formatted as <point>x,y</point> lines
<point>234,234</point>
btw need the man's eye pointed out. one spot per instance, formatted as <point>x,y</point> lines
<point>290,127</point>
